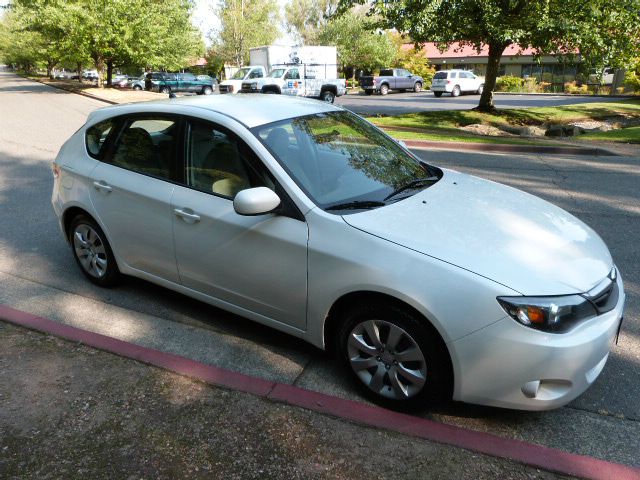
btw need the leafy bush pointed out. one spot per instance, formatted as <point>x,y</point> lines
<point>574,88</point>
<point>632,79</point>
<point>416,62</point>
<point>351,83</point>
<point>509,83</point>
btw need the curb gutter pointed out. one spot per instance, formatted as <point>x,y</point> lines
<point>546,458</point>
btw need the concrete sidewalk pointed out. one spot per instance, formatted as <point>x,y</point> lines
<point>69,411</point>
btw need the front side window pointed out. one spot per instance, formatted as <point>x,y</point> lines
<point>219,163</point>
<point>337,158</point>
<point>277,72</point>
<point>147,146</point>
<point>96,137</point>
<point>292,74</point>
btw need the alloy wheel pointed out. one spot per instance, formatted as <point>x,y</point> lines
<point>387,359</point>
<point>90,250</point>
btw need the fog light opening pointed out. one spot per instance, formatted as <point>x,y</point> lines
<point>530,389</point>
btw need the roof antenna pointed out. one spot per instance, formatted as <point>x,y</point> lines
<point>172,95</point>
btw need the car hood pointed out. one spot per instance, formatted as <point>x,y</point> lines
<point>498,232</point>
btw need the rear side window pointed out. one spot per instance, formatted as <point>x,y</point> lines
<point>440,75</point>
<point>386,73</point>
<point>96,137</point>
<point>147,146</point>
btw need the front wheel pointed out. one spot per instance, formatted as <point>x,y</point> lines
<point>328,96</point>
<point>394,357</point>
<point>93,252</point>
<point>384,89</point>
<point>417,87</point>
<point>137,87</point>
<point>207,90</point>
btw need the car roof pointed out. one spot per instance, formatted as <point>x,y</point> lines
<point>250,109</point>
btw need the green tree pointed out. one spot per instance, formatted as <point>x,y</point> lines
<point>111,33</point>
<point>358,45</point>
<point>305,19</point>
<point>550,26</point>
<point>245,24</point>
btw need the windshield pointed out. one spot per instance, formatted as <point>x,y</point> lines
<point>338,158</point>
<point>240,74</point>
<point>277,72</point>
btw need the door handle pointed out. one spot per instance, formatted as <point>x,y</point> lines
<point>190,217</point>
<point>102,185</point>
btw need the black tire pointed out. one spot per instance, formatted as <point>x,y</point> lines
<point>327,96</point>
<point>137,87</point>
<point>438,381</point>
<point>207,90</point>
<point>368,92</point>
<point>480,89</point>
<point>165,90</point>
<point>417,87</point>
<point>437,94</point>
<point>100,249</point>
<point>384,89</point>
<point>456,91</point>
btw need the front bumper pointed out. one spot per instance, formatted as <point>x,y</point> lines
<point>509,365</point>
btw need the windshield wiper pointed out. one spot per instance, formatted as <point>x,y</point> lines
<point>419,182</point>
<point>357,205</point>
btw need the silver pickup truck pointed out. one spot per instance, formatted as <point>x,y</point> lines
<point>391,79</point>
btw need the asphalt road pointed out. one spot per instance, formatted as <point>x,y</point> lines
<point>38,275</point>
<point>396,103</point>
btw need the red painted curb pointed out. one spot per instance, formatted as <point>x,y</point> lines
<point>527,453</point>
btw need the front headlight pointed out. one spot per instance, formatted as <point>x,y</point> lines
<point>549,314</point>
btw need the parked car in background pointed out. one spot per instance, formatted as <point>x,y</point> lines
<point>137,83</point>
<point>91,75</point>
<point>391,79</point>
<point>164,82</point>
<point>120,81</point>
<point>428,283</point>
<point>456,82</point>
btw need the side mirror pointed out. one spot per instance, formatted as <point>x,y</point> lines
<point>255,201</point>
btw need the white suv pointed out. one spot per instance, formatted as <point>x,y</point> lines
<point>456,82</point>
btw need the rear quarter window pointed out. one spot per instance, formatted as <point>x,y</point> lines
<point>96,137</point>
<point>440,75</point>
<point>386,73</point>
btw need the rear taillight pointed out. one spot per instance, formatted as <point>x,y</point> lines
<point>448,82</point>
<point>56,170</point>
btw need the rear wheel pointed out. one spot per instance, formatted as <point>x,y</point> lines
<point>93,252</point>
<point>137,87</point>
<point>480,89</point>
<point>328,96</point>
<point>165,90</point>
<point>394,357</point>
<point>417,87</point>
<point>437,94</point>
<point>368,92</point>
<point>456,91</point>
<point>384,89</point>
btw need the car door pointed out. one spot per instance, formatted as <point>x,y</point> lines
<point>258,263</point>
<point>132,191</point>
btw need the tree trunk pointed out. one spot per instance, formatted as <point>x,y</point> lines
<point>99,63</point>
<point>79,70</point>
<point>493,65</point>
<point>109,72</point>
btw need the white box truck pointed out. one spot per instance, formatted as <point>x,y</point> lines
<point>301,71</point>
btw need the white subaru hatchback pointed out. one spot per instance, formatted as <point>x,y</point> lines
<point>429,284</point>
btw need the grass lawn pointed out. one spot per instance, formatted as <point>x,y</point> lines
<point>443,125</point>
<point>624,135</point>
